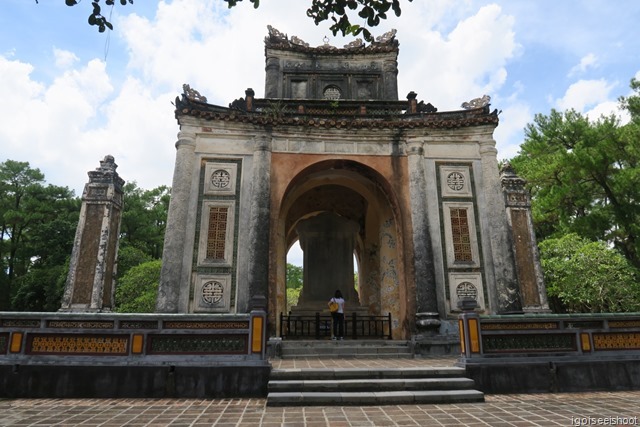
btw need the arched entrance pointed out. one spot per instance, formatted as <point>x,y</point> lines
<point>338,209</point>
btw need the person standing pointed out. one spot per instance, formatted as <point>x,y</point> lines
<point>337,315</point>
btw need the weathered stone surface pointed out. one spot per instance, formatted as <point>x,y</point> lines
<point>92,269</point>
<point>335,143</point>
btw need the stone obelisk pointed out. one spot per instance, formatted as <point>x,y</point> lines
<point>92,269</point>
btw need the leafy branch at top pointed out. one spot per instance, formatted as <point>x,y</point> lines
<point>335,11</point>
<point>96,18</point>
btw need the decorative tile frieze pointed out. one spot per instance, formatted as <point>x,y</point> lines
<point>185,324</point>
<point>138,324</point>
<point>624,323</point>
<point>523,343</point>
<point>69,344</point>
<point>197,344</point>
<point>20,323</point>
<point>616,341</point>
<point>79,324</point>
<point>518,326</point>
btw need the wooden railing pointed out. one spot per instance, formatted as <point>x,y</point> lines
<point>319,326</point>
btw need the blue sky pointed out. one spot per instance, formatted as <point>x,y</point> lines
<point>71,95</point>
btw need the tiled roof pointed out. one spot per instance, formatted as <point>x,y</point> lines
<point>335,114</point>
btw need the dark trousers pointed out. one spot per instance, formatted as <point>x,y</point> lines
<point>338,324</point>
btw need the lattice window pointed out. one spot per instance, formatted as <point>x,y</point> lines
<point>461,235</point>
<point>217,234</point>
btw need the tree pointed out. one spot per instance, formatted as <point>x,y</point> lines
<point>294,276</point>
<point>588,277</point>
<point>37,227</point>
<point>584,176</point>
<point>336,11</point>
<point>137,290</point>
<point>144,218</point>
<point>294,284</point>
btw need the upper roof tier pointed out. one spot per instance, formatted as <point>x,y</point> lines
<point>350,87</point>
<point>294,70</point>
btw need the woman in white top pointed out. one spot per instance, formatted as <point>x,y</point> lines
<point>338,316</point>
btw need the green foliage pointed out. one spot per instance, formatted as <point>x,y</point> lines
<point>371,12</point>
<point>37,228</point>
<point>293,295</point>
<point>584,177</point>
<point>41,289</point>
<point>144,218</point>
<point>294,285</point>
<point>138,288</point>
<point>294,276</point>
<point>337,11</point>
<point>96,18</point>
<point>130,256</point>
<point>588,277</point>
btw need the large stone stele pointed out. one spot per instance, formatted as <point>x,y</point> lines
<point>327,241</point>
<point>92,269</point>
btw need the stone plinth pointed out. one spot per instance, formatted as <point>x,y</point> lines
<point>92,269</point>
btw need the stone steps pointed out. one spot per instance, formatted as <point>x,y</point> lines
<point>385,386</point>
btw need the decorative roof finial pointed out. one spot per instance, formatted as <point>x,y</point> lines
<point>477,103</point>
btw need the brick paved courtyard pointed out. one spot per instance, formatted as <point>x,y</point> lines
<point>498,410</point>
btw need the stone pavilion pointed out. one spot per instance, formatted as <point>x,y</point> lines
<point>331,158</point>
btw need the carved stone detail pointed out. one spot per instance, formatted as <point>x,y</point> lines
<point>477,103</point>
<point>299,41</point>
<point>192,94</point>
<point>387,37</point>
<point>354,44</point>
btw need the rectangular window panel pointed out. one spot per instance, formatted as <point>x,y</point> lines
<point>461,235</point>
<point>217,232</point>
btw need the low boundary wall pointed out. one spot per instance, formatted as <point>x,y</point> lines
<point>132,355</point>
<point>551,353</point>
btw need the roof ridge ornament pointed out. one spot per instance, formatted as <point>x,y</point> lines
<point>276,36</point>
<point>477,103</point>
<point>354,44</point>
<point>192,94</point>
<point>387,37</point>
<point>297,40</point>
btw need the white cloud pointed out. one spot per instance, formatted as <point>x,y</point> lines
<point>49,123</point>
<point>449,53</point>
<point>464,64</point>
<point>64,59</point>
<point>588,61</point>
<point>585,94</point>
<point>606,109</point>
<point>508,134</point>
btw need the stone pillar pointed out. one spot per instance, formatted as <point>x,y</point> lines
<point>426,295</point>
<point>506,283</point>
<point>328,242</point>
<point>273,85</point>
<point>93,265</point>
<point>527,258</point>
<point>390,77</point>
<point>175,234</point>
<point>258,274</point>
